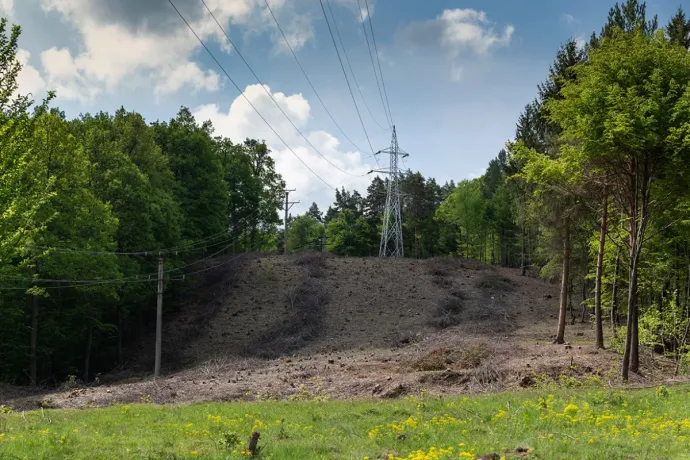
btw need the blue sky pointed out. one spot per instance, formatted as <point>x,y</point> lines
<point>457,73</point>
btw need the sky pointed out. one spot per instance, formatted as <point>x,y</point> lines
<point>456,74</point>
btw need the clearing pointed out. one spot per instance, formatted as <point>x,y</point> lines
<point>274,327</point>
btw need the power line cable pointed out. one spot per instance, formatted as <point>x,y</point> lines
<point>373,39</point>
<point>189,247</point>
<point>371,57</point>
<point>268,93</point>
<point>345,74</point>
<point>294,55</point>
<point>347,59</point>
<point>133,278</point>
<point>126,279</point>
<point>245,97</point>
<point>194,246</point>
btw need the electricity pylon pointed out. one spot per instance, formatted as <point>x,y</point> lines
<point>391,233</point>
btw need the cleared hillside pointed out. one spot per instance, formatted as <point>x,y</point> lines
<point>315,325</point>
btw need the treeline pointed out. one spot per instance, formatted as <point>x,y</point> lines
<point>104,184</point>
<point>593,191</point>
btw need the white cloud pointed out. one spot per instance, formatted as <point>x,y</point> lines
<point>189,74</point>
<point>136,44</point>
<point>6,8</point>
<point>241,121</point>
<point>63,76</point>
<point>29,79</point>
<point>456,30</point>
<point>299,31</point>
<point>568,18</point>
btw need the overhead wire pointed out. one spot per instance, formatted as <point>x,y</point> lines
<point>245,96</point>
<point>299,64</point>
<point>189,247</point>
<point>371,57</point>
<point>145,277</point>
<point>268,93</point>
<point>349,64</point>
<point>347,80</point>
<point>373,39</point>
<point>124,280</point>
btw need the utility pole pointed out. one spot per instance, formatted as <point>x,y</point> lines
<point>391,233</point>
<point>159,318</point>
<point>288,205</point>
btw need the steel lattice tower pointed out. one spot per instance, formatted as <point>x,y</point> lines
<point>391,233</point>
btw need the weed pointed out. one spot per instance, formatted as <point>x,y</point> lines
<point>229,441</point>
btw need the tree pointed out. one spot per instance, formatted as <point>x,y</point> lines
<point>631,16</point>
<point>347,235</point>
<point>304,234</point>
<point>199,185</point>
<point>621,112</point>
<point>315,213</point>
<point>678,29</point>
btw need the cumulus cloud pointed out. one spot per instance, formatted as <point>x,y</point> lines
<point>134,43</point>
<point>6,8</point>
<point>456,30</point>
<point>241,121</point>
<point>29,79</point>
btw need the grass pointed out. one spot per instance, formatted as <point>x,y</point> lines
<point>584,423</point>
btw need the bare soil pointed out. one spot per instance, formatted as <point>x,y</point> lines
<point>315,325</point>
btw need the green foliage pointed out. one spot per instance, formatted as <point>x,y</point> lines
<point>304,234</point>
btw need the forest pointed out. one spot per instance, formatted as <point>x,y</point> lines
<point>592,193</point>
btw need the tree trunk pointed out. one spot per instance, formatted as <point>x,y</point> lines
<point>87,360</point>
<point>523,266</point>
<point>614,295</point>
<point>33,360</point>
<point>631,359</point>
<point>571,309</point>
<point>599,326</point>
<point>584,296</point>
<point>120,357</point>
<point>562,311</point>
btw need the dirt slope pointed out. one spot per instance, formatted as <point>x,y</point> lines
<point>313,325</point>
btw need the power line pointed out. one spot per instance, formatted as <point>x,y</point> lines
<point>268,93</point>
<point>127,279</point>
<point>347,59</point>
<point>270,10</point>
<point>345,74</point>
<point>194,246</point>
<point>189,247</point>
<point>245,97</point>
<point>373,39</point>
<point>371,57</point>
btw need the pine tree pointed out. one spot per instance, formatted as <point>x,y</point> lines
<point>678,29</point>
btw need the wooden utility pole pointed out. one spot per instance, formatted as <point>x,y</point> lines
<point>159,318</point>
<point>288,205</point>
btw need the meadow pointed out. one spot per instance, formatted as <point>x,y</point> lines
<point>584,423</point>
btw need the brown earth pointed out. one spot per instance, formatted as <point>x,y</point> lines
<point>314,325</point>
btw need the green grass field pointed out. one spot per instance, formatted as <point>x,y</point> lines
<point>592,423</point>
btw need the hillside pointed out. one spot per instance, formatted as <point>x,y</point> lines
<point>311,325</point>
